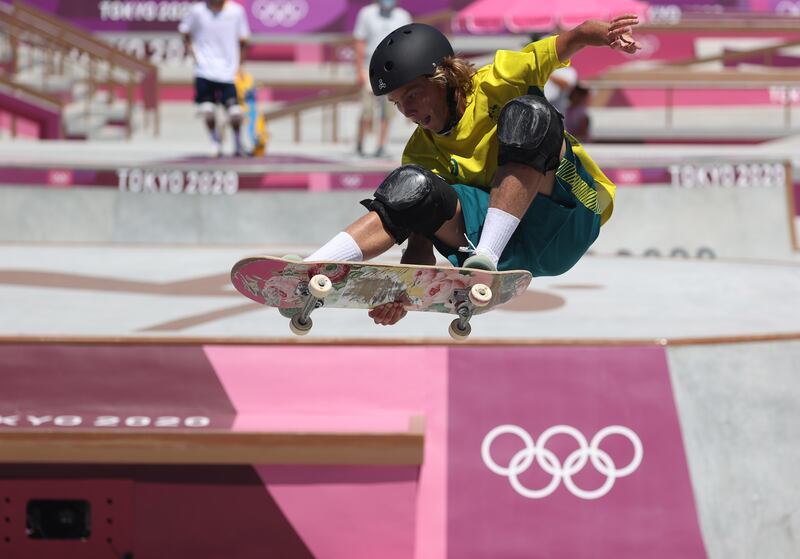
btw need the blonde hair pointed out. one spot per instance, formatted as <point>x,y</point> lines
<point>457,73</point>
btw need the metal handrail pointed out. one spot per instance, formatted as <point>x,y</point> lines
<point>671,75</point>
<point>56,28</point>
<point>28,25</point>
<point>731,56</point>
<point>749,22</point>
<point>24,91</point>
<point>324,100</point>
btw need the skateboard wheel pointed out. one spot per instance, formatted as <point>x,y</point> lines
<point>457,333</point>
<point>480,295</point>
<point>320,286</point>
<point>300,328</point>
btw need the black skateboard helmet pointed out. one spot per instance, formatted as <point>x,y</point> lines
<point>406,53</point>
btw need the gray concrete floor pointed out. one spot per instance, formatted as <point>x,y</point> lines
<point>127,291</point>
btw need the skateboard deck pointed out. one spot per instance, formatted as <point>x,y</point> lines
<point>285,284</point>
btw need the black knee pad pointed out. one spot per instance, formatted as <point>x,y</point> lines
<point>530,131</point>
<point>412,199</point>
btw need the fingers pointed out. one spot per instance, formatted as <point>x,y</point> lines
<point>622,25</point>
<point>388,313</point>
<point>632,47</point>
<point>626,20</point>
<point>626,44</point>
<point>620,33</point>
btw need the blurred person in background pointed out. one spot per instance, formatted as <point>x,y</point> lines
<point>490,178</point>
<point>576,119</point>
<point>373,23</point>
<point>216,34</point>
<point>559,87</point>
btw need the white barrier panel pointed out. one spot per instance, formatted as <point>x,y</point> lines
<point>707,221</point>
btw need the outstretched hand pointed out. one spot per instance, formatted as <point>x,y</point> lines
<point>620,33</point>
<point>617,34</point>
<point>388,313</point>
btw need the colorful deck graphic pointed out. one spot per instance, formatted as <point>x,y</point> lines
<point>278,283</point>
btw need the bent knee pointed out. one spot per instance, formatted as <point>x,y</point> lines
<point>530,131</point>
<point>412,199</point>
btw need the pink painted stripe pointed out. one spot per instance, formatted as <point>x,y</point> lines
<point>377,383</point>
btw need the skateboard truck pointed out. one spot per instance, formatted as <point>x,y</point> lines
<point>319,286</point>
<point>314,292</point>
<point>479,295</point>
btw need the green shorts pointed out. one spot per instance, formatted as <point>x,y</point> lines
<point>552,236</point>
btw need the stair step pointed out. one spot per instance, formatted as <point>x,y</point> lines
<point>48,84</point>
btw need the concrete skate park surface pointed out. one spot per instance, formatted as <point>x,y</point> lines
<point>126,291</point>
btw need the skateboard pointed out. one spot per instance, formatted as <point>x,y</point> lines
<point>298,288</point>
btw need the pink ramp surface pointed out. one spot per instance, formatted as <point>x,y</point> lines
<point>110,386</point>
<point>349,389</point>
<point>605,475</point>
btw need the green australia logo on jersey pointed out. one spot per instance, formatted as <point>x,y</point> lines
<point>454,168</point>
<point>494,112</point>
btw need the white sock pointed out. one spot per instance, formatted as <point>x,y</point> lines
<point>497,230</point>
<point>342,247</point>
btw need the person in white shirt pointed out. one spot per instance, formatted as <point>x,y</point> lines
<point>373,23</point>
<point>216,33</point>
<point>559,87</point>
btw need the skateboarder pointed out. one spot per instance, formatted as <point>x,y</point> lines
<point>216,34</point>
<point>490,178</point>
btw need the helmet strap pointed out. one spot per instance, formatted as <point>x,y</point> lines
<point>452,112</point>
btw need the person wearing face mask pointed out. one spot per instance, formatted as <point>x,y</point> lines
<point>490,178</point>
<point>216,33</point>
<point>373,23</point>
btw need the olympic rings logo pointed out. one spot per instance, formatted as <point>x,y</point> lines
<point>280,13</point>
<point>550,463</point>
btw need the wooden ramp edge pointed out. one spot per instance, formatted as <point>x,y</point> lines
<point>35,446</point>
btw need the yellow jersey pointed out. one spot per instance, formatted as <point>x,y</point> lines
<point>468,154</point>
